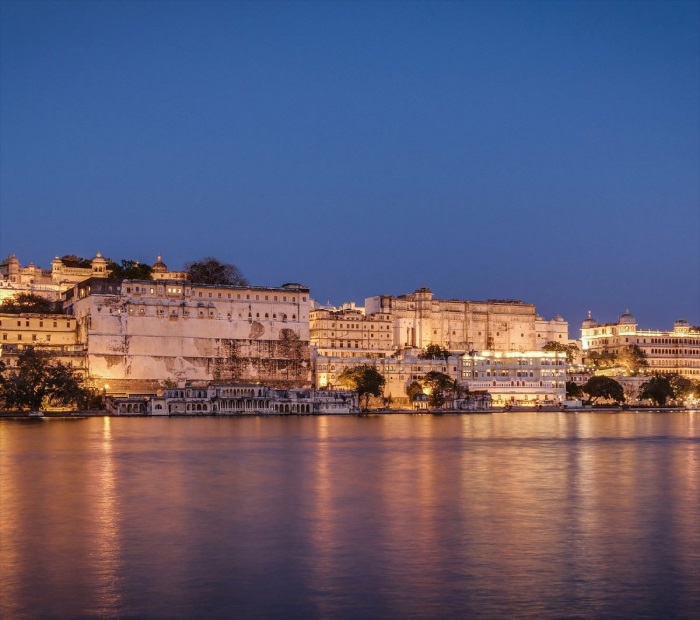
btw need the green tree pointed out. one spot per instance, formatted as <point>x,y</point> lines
<point>211,270</point>
<point>601,360</point>
<point>658,390</point>
<point>413,388</point>
<point>129,270</point>
<point>365,379</point>
<point>39,379</point>
<point>570,349</point>
<point>434,351</point>
<point>682,386</point>
<point>29,302</point>
<point>604,387</point>
<point>573,391</point>
<point>632,359</point>
<point>439,385</point>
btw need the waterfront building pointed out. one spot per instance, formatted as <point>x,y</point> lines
<point>667,351</point>
<point>509,377</point>
<point>520,378</point>
<point>140,334</point>
<point>237,399</point>
<point>54,333</point>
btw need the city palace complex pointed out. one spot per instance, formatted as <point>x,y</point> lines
<point>144,337</point>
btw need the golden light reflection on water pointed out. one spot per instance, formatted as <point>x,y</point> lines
<point>107,519</point>
<point>10,559</point>
<point>401,516</point>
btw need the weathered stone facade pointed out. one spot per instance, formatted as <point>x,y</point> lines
<point>147,332</point>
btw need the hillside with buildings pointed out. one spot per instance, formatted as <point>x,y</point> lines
<point>136,336</point>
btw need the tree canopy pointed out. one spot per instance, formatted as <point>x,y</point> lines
<point>570,349</point>
<point>39,379</point>
<point>29,302</point>
<point>604,387</point>
<point>71,260</point>
<point>632,359</point>
<point>658,389</point>
<point>439,384</point>
<point>573,390</point>
<point>210,270</point>
<point>434,351</point>
<point>365,379</point>
<point>682,386</point>
<point>601,360</point>
<point>129,270</point>
<point>413,388</point>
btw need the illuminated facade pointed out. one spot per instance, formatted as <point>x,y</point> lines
<point>140,333</point>
<point>387,325</point>
<point>524,377</point>
<point>48,283</point>
<point>676,351</point>
<point>349,332</point>
<point>52,283</point>
<point>419,320</point>
<point>54,333</point>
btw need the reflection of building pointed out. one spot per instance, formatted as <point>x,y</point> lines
<point>237,399</point>
<point>140,333</point>
<point>676,351</point>
<point>389,324</point>
<point>54,333</point>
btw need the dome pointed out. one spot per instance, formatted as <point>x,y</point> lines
<point>159,266</point>
<point>559,318</point>
<point>627,318</point>
<point>98,259</point>
<point>589,322</point>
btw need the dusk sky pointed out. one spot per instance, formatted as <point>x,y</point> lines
<point>543,151</point>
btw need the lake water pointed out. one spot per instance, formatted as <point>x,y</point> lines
<point>520,515</point>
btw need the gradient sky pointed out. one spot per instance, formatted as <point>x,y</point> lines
<point>544,151</point>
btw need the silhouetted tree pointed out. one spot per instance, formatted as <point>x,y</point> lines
<point>38,378</point>
<point>434,351</point>
<point>604,387</point>
<point>210,270</point>
<point>29,302</point>
<point>129,270</point>
<point>658,389</point>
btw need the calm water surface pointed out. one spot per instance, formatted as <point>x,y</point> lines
<point>533,515</point>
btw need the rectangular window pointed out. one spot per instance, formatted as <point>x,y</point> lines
<point>33,337</point>
<point>19,336</point>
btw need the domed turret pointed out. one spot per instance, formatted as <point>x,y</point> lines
<point>627,319</point>
<point>589,322</point>
<point>159,266</point>
<point>558,318</point>
<point>99,266</point>
<point>681,326</point>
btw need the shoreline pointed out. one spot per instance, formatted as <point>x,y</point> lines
<point>81,415</point>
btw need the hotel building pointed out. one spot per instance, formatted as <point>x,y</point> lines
<point>675,351</point>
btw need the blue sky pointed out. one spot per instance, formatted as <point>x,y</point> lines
<point>546,151</point>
